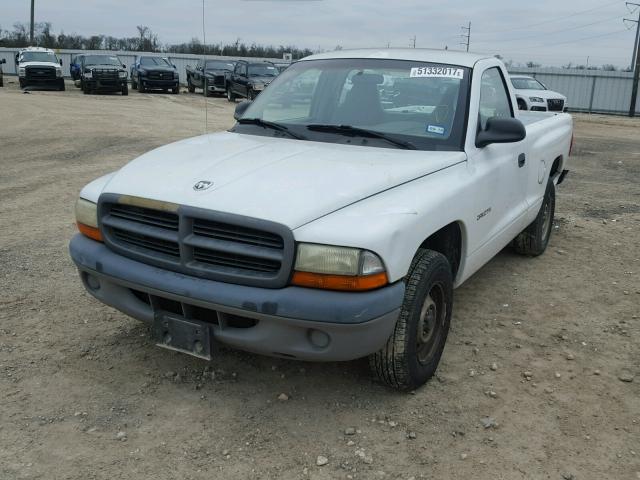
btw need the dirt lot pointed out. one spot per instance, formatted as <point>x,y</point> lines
<point>85,395</point>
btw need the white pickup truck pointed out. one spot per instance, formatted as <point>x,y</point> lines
<point>334,220</point>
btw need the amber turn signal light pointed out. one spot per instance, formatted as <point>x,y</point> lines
<point>339,282</point>
<point>91,232</point>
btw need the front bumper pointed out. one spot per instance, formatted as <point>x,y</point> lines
<point>290,322</point>
<point>152,84</point>
<point>107,85</point>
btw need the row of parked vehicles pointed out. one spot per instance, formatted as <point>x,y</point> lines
<point>40,67</point>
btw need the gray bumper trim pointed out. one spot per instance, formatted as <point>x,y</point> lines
<point>357,324</point>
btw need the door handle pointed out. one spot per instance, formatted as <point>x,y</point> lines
<point>522,159</point>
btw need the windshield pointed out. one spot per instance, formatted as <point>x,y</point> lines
<point>259,70</point>
<point>420,103</point>
<point>152,61</point>
<point>527,84</point>
<point>102,60</point>
<point>220,66</point>
<point>38,57</point>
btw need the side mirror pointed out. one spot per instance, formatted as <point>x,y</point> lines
<point>240,109</point>
<point>501,130</point>
<point>4,60</point>
<point>174,66</point>
<point>60,62</point>
<point>124,66</point>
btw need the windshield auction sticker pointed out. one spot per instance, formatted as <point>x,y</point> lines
<point>437,72</point>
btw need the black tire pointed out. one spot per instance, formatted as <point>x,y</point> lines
<point>62,86</point>
<point>141,88</point>
<point>134,85</point>
<point>190,86</point>
<point>21,83</point>
<point>125,90</point>
<point>534,239</point>
<point>85,88</point>
<point>230,95</point>
<point>176,90</point>
<point>1,82</point>
<point>205,88</point>
<point>251,96</point>
<point>522,105</point>
<point>412,352</point>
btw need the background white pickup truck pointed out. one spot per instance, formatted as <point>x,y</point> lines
<point>335,219</point>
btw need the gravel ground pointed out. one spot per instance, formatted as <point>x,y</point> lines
<point>540,378</point>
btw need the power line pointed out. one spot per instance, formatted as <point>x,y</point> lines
<point>556,19</point>
<point>537,35</point>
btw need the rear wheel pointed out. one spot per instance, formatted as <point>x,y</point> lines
<point>412,352</point>
<point>534,239</point>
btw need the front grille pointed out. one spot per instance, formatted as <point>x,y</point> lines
<point>555,105</point>
<point>104,74</point>
<point>40,73</point>
<point>160,75</point>
<point>201,243</point>
<point>219,80</point>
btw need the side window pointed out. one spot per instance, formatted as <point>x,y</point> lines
<point>237,69</point>
<point>494,97</point>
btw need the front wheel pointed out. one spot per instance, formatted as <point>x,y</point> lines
<point>522,105</point>
<point>534,239</point>
<point>125,90</point>
<point>141,88</point>
<point>190,87</point>
<point>176,90</point>
<point>230,95</point>
<point>134,85</point>
<point>412,352</point>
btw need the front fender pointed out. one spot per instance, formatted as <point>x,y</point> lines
<point>394,223</point>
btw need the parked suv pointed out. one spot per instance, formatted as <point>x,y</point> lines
<point>103,73</point>
<point>39,67</point>
<point>1,79</point>
<point>154,73</point>
<point>250,78</point>
<point>534,95</point>
<point>212,76</point>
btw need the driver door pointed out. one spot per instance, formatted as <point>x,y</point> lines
<point>500,172</point>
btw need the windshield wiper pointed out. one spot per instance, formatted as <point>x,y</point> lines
<point>361,132</point>
<point>272,125</point>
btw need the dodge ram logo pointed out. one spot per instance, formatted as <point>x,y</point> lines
<point>202,185</point>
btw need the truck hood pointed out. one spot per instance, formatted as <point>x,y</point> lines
<point>546,94</point>
<point>291,182</point>
<point>40,64</point>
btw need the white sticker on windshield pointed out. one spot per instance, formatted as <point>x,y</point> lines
<point>437,72</point>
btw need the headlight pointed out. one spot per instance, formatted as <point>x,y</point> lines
<point>123,74</point>
<point>176,76</point>
<point>21,72</point>
<point>536,99</point>
<point>58,72</point>
<point>258,86</point>
<point>142,73</point>
<point>338,268</point>
<point>88,74</point>
<point>87,219</point>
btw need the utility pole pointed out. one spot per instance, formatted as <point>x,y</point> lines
<point>467,35</point>
<point>635,63</point>
<point>413,40</point>
<point>32,16</point>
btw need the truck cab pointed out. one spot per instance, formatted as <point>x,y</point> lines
<point>39,67</point>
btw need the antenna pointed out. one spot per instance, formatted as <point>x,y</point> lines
<point>204,69</point>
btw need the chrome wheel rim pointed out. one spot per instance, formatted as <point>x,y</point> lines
<point>546,218</point>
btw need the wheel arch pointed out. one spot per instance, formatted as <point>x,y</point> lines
<point>556,166</point>
<point>450,242</point>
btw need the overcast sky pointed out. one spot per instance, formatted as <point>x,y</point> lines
<point>553,32</point>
